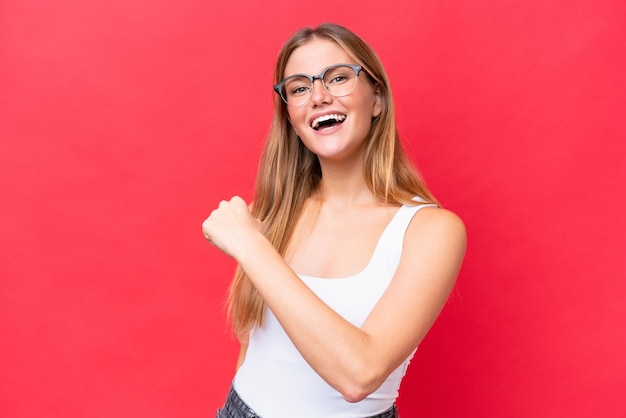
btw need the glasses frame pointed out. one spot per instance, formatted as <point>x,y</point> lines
<point>278,88</point>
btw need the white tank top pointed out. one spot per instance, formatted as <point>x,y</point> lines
<point>276,381</point>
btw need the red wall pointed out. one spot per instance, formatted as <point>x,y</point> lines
<point>122,123</point>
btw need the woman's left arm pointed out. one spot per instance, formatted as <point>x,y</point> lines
<point>353,360</point>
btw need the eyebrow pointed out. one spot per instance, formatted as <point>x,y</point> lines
<point>322,70</point>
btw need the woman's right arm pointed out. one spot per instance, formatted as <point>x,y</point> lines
<point>242,353</point>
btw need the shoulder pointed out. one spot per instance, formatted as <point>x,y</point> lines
<point>437,227</point>
<point>435,217</point>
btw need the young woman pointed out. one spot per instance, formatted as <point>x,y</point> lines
<point>345,259</point>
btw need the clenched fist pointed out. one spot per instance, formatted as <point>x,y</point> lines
<point>231,227</point>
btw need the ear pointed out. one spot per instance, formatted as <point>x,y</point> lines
<point>378,100</point>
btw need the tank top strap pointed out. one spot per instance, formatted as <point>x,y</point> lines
<point>393,238</point>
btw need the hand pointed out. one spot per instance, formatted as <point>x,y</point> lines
<point>231,226</point>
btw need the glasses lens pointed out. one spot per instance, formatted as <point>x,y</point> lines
<point>340,80</point>
<point>297,90</point>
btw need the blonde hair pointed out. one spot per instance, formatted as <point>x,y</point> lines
<point>289,173</point>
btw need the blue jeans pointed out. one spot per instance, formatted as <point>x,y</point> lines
<point>235,407</point>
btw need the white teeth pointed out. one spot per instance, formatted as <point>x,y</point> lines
<point>316,122</point>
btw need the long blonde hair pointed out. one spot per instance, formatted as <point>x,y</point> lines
<point>289,173</point>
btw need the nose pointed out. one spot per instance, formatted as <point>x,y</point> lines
<point>319,94</point>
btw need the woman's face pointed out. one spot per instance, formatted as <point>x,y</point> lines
<point>352,114</point>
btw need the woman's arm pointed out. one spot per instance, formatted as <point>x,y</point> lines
<point>243,349</point>
<point>355,361</point>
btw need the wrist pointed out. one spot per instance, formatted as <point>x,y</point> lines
<point>250,246</point>
<point>257,256</point>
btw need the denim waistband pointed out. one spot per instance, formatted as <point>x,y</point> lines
<point>235,407</point>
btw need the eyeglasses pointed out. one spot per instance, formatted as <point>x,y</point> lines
<point>338,80</point>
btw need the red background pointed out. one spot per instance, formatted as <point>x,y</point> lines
<point>123,122</point>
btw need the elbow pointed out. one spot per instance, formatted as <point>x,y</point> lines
<point>355,395</point>
<point>361,384</point>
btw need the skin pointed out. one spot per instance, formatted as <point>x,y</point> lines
<point>344,218</point>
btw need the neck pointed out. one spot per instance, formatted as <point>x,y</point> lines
<point>344,184</point>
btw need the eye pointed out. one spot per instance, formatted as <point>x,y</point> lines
<point>338,79</point>
<point>338,75</point>
<point>297,86</point>
<point>298,90</point>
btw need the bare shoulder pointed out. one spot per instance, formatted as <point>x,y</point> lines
<point>436,222</point>
<point>437,232</point>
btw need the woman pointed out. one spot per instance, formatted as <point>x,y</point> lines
<point>345,259</point>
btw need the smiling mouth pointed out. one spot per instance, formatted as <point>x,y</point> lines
<point>327,121</point>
